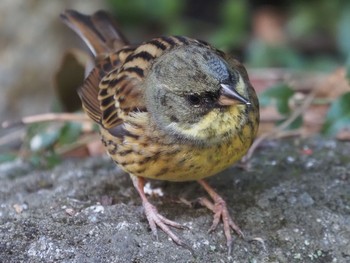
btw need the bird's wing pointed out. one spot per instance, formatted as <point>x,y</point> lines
<point>102,35</point>
<point>121,90</point>
<point>113,89</point>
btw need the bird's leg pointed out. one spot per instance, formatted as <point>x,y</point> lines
<point>154,218</point>
<point>220,211</point>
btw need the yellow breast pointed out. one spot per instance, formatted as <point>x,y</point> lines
<point>149,154</point>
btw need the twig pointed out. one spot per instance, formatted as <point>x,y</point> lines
<point>46,117</point>
<point>296,113</point>
<point>83,141</point>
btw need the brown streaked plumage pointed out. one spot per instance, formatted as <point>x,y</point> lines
<point>172,108</point>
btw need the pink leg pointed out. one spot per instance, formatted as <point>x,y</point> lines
<point>154,218</point>
<point>220,211</point>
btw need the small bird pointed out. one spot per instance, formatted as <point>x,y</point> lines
<point>172,108</point>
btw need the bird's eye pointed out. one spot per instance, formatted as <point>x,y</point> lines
<point>194,99</point>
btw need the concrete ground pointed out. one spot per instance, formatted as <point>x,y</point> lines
<point>293,206</point>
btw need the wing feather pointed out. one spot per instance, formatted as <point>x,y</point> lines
<point>113,89</point>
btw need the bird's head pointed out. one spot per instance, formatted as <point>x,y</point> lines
<point>194,93</point>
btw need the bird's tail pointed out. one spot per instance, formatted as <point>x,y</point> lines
<point>99,31</point>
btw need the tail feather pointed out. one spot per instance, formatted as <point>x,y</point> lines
<point>99,31</point>
<point>88,94</point>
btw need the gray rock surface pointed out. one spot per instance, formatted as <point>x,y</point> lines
<point>293,206</point>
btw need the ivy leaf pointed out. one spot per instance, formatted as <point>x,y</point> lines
<point>338,116</point>
<point>296,124</point>
<point>70,132</point>
<point>44,140</point>
<point>279,96</point>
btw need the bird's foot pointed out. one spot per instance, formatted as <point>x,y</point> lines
<point>219,208</point>
<point>157,220</point>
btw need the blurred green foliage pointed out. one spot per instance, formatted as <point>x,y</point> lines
<point>278,96</point>
<point>232,29</point>
<point>316,37</point>
<point>343,32</point>
<point>160,14</point>
<point>260,54</point>
<point>161,11</point>
<point>228,25</point>
<point>43,139</point>
<point>7,157</point>
<point>338,116</point>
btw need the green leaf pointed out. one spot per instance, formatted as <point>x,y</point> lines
<point>232,31</point>
<point>70,132</point>
<point>261,54</point>
<point>44,140</point>
<point>348,68</point>
<point>338,116</point>
<point>52,159</point>
<point>343,36</point>
<point>136,11</point>
<point>297,123</point>
<point>48,159</point>
<point>279,96</point>
<point>36,128</point>
<point>7,157</point>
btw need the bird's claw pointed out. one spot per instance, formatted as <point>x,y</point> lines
<point>157,220</point>
<point>221,213</point>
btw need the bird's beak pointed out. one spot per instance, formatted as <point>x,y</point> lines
<point>229,96</point>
